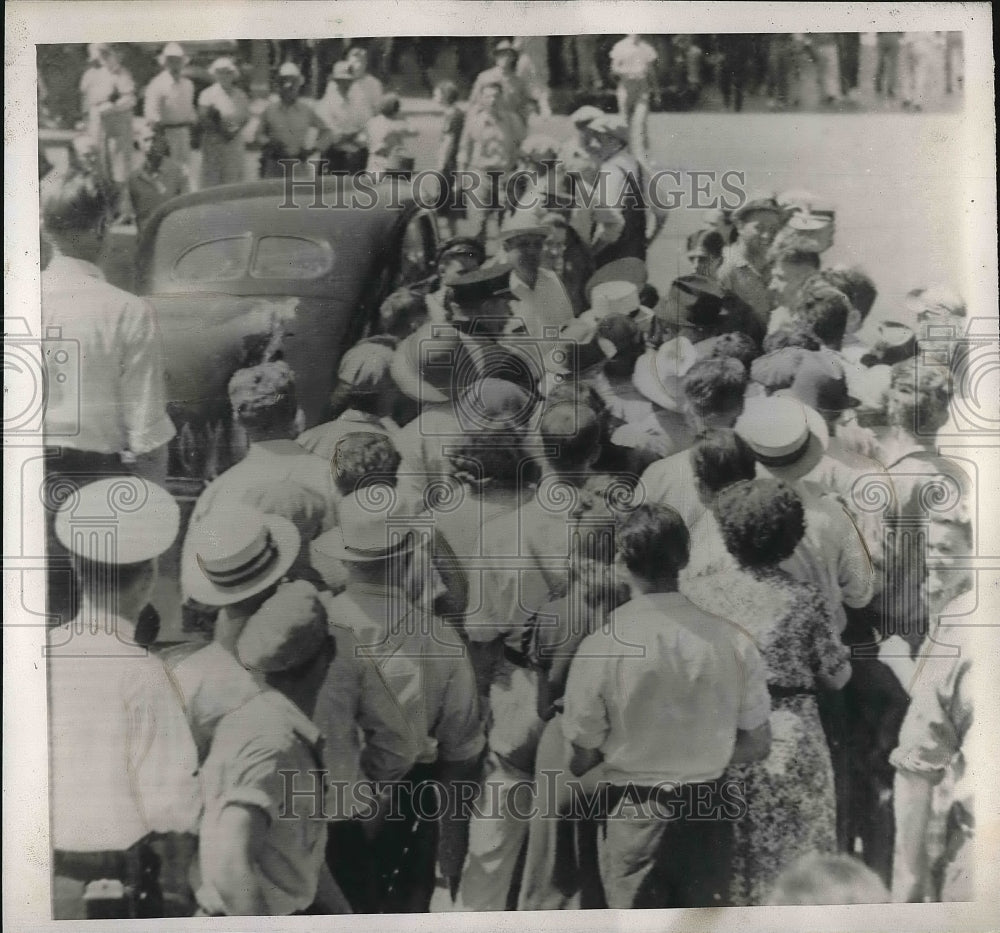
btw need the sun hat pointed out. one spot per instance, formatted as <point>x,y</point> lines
<point>290,70</point>
<point>234,553</point>
<point>659,374</point>
<point>630,269</point>
<point>364,533</point>
<point>609,124</point>
<point>142,519</point>
<point>172,50</point>
<point>758,202</point>
<point>342,71</point>
<point>522,224</point>
<point>224,63</point>
<point>787,437</point>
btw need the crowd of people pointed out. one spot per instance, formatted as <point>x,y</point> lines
<point>582,596</point>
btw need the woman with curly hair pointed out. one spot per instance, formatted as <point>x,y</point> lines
<point>790,803</point>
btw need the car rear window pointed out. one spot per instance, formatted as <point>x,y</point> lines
<point>215,260</point>
<point>291,257</point>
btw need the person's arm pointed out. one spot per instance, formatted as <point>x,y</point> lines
<point>126,93</point>
<point>151,103</point>
<point>237,839</point>
<point>585,722</point>
<point>142,391</point>
<point>912,794</point>
<point>325,137</point>
<point>752,745</point>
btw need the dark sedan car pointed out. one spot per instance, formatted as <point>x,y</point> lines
<point>244,273</point>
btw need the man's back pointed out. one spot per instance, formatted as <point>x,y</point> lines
<point>663,691</point>
<point>118,399</point>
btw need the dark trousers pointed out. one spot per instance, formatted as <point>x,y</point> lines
<point>107,885</point>
<point>648,860</point>
<point>344,161</point>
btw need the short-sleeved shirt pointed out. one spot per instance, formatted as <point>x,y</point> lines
<point>632,58</point>
<point>116,399</point>
<point>169,101</point>
<point>288,125</point>
<point>368,734</point>
<point>664,691</point>
<point>212,683</point>
<point>365,94</point>
<point>516,95</point>
<point>123,760</point>
<point>425,664</point>
<point>265,736</point>
<point>233,108</point>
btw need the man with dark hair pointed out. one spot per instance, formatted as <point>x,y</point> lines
<point>664,723</point>
<point>736,346</point>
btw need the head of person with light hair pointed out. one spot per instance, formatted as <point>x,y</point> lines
<point>818,879</point>
<point>264,402</point>
<point>919,398</point>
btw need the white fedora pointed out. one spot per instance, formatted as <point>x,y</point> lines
<point>659,374</point>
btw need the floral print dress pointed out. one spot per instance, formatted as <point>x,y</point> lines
<point>790,802</point>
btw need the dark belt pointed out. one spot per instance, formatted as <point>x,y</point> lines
<point>93,866</point>
<point>172,126</point>
<point>780,693</point>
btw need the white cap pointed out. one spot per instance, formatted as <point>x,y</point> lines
<point>223,64</point>
<point>135,521</point>
<point>289,70</point>
<point>172,50</point>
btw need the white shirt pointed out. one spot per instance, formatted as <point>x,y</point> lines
<point>663,693</point>
<point>108,394</point>
<point>672,482</point>
<point>123,760</point>
<point>545,305</point>
<point>342,114</point>
<point>632,58</point>
<point>169,100</point>
<point>365,94</point>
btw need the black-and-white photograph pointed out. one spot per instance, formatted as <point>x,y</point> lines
<point>497,472</point>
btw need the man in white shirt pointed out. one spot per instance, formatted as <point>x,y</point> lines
<point>169,103</point>
<point>632,61</point>
<point>542,301</point>
<point>366,91</point>
<point>264,403</point>
<point>106,405</point>
<point>123,763</point>
<point>662,703</point>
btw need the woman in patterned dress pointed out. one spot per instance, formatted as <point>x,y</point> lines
<point>790,800</point>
